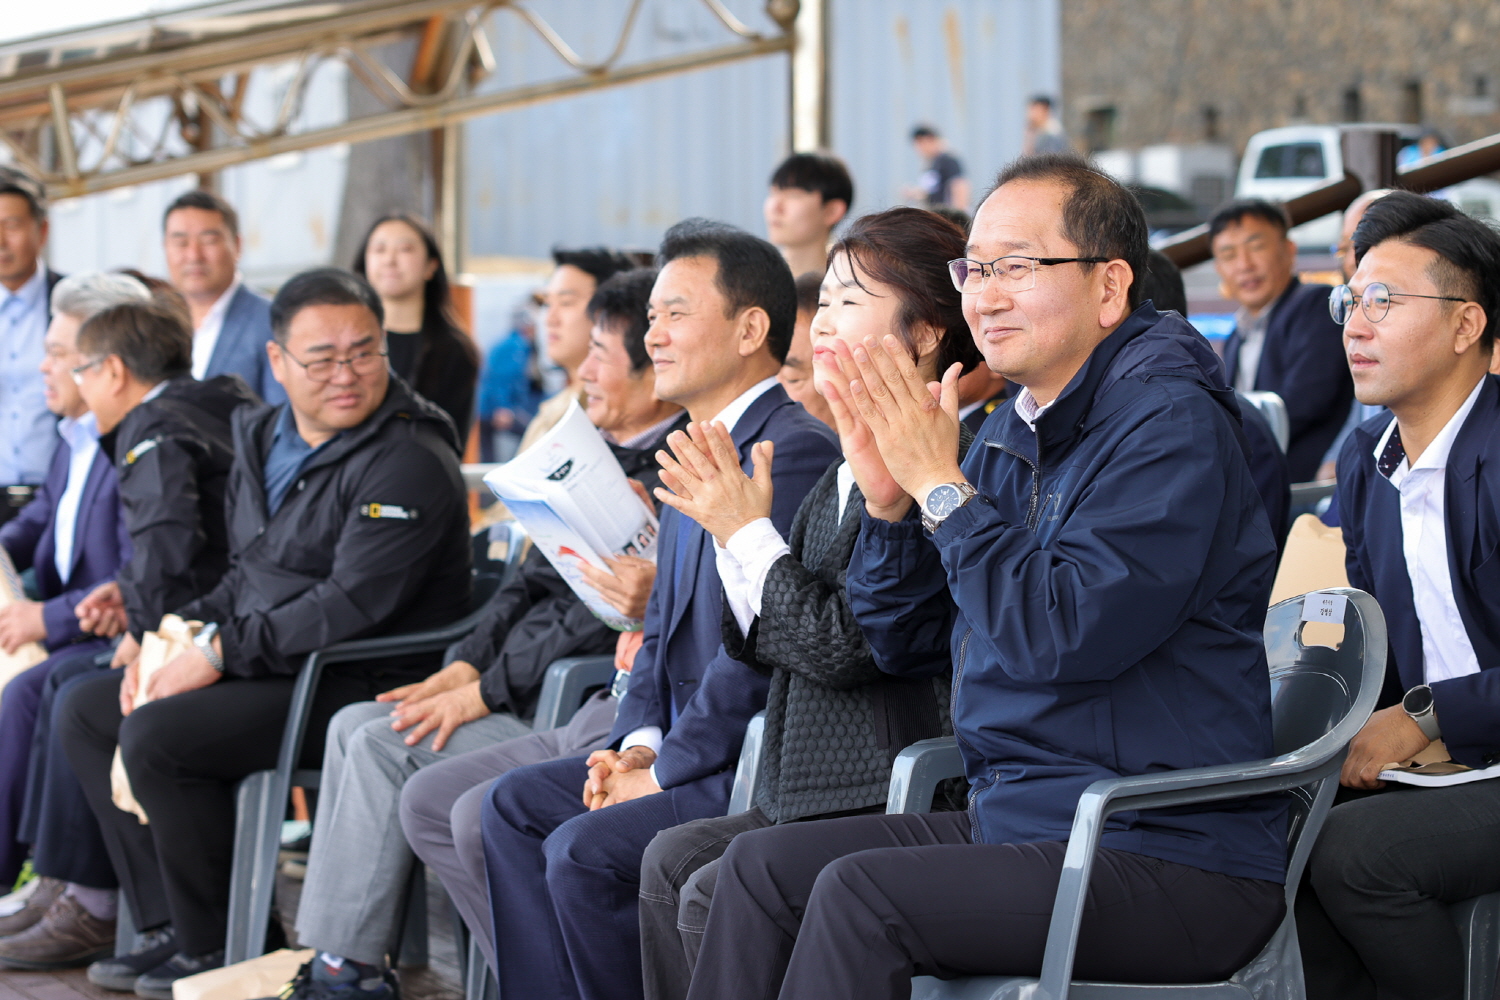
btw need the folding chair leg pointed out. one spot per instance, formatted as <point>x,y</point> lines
<point>413,948</point>
<point>124,927</point>
<point>260,802</point>
<point>480,983</point>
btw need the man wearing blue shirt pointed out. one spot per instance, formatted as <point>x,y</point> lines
<point>27,438</point>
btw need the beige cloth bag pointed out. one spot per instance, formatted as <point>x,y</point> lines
<point>29,654</point>
<point>172,636</point>
<point>255,977</point>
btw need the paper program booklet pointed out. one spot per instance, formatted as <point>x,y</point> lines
<point>570,494</point>
<point>1432,768</point>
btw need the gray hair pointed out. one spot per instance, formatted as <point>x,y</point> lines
<point>82,296</point>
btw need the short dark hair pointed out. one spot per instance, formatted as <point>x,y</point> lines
<point>963,220</point>
<point>1043,100</point>
<point>600,263</point>
<point>808,286</point>
<point>1162,284</point>
<point>1468,264</point>
<point>923,132</point>
<point>23,185</point>
<point>907,250</point>
<point>151,341</point>
<point>1248,208</point>
<point>322,286</point>
<point>205,201</point>
<point>821,173</point>
<point>620,304</point>
<point>751,272</point>
<point>1099,216</point>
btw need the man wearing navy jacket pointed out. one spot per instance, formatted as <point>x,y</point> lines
<point>563,859</point>
<point>1417,499</point>
<point>1110,562</point>
<point>1284,340</point>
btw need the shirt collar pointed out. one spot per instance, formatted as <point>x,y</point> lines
<point>645,437</point>
<point>1390,456</point>
<point>731,414</point>
<point>1028,409</point>
<point>156,390</point>
<point>79,431</point>
<point>29,294</point>
<point>215,314</point>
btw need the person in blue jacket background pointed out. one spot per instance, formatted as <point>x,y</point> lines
<point>1111,561</point>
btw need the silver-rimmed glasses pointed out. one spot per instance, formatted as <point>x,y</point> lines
<point>1014,272</point>
<point>1374,301</point>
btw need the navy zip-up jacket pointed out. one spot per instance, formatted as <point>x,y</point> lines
<point>1110,583</point>
<point>1468,708</point>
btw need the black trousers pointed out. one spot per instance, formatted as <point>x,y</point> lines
<point>184,755</point>
<point>855,907</point>
<point>1372,916</point>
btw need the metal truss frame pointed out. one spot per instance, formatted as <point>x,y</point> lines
<point>76,120</point>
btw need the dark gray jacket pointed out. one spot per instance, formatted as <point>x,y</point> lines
<point>834,720</point>
<point>372,539</point>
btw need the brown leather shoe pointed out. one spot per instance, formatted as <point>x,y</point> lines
<point>67,937</point>
<point>42,897</point>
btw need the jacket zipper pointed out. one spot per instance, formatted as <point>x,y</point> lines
<point>1036,484</point>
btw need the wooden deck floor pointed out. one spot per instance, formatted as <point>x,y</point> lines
<point>438,980</point>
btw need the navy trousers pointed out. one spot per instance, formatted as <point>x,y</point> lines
<point>564,882</point>
<point>19,711</point>
<point>58,824</point>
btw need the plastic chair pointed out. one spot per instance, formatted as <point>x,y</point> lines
<point>747,771</point>
<point>1478,921</point>
<point>1320,699</point>
<point>261,797</point>
<point>567,685</point>
<point>1273,408</point>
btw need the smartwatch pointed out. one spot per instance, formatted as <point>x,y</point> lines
<point>944,500</point>
<point>1418,704</point>
<point>204,641</point>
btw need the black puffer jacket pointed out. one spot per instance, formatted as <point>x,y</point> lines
<point>372,539</point>
<point>173,455</point>
<point>834,720</point>
<point>537,618</point>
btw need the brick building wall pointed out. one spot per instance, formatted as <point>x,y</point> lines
<point>1138,72</point>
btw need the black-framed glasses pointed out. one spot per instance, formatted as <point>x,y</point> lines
<point>1374,301</point>
<point>321,370</point>
<point>1013,272</point>
<point>77,373</point>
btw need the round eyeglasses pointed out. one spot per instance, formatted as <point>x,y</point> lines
<point>1374,301</point>
<point>1013,273</point>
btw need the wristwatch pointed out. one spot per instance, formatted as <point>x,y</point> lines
<point>944,500</point>
<point>204,641</point>
<point>1418,704</point>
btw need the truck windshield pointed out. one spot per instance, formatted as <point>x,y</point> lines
<point>1293,159</point>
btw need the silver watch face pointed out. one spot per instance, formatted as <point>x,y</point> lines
<point>943,500</point>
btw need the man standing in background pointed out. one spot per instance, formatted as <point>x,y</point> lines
<point>27,437</point>
<point>943,182</point>
<point>1044,133</point>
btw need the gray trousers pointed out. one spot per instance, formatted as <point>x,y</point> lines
<point>360,864</point>
<point>1372,916</point>
<point>440,806</point>
<point>678,872</point>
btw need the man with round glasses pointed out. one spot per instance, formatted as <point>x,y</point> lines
<point>346,519</point>
<point>1418,489</point>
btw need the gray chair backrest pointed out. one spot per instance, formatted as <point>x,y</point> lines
<point>742,792</point>
<point>1273,408</point>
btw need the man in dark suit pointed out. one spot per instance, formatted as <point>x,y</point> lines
<point>1283,341</point>
<point>231,323</point>
<point>1417,498</point>
<point>73,536</point>
<point>564,839</point>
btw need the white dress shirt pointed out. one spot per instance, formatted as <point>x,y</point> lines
<point>1028,409</point>
<point>1446,650</point>
<point>651,736</point>
<point>206,336</point>
<point>1252,345</point>
<point>82,436</point>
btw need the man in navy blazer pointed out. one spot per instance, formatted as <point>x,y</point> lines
<point>562,857</point>
<point>231,323</point>
<point>72,535</point>
<point>1419,500</point>
<point>1284,340</point>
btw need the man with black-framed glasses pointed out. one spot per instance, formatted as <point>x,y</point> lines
<point>1418,489</point>
<point>346,518</point>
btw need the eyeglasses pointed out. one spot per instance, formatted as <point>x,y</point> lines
<point>1014,273</point>
<point>1374,301</point>
<point>363,363</point>
<point>77,373</point>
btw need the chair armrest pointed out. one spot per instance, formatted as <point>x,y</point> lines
<point>564,686</point>
<point>916,772</point>
<point>742,792</point>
